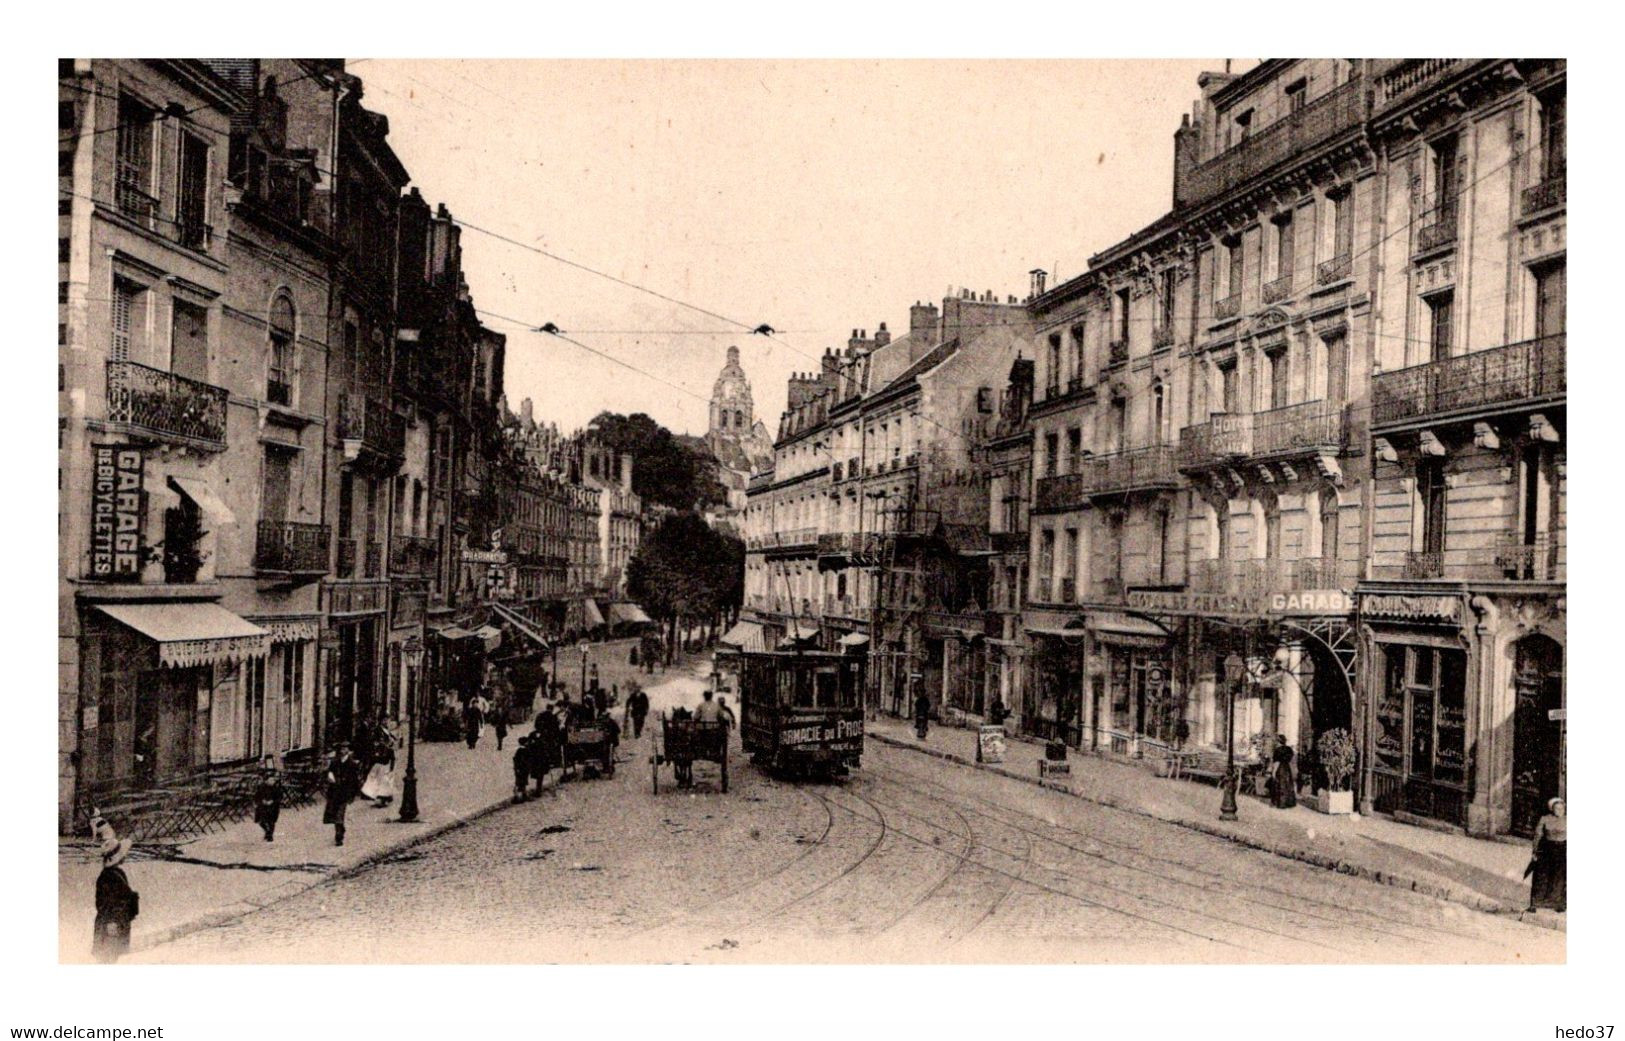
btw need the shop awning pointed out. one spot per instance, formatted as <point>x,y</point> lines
<point>1108,625</point>
<point>452,632</point>
<point>522,625</point>
<point>490,636</point>
<point>200,493</point>
<point>191,634</point>
<point>1039,630</point>
<point>854,640</point>
<point>746,636</point>
<point>590,613</point>
<point>628,614</point>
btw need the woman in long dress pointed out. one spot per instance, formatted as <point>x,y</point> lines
<point>380,784</point>
<point>1283,786</point>
<point>1550,863</point>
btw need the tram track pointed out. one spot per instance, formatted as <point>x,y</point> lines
<point>1430,934</point>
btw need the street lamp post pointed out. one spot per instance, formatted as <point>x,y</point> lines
<point>583,668</point>
<point>413,654</point>
<point>1235,670</point>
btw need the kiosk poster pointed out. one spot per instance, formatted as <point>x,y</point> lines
<point>115,513</point>
<point>990,745</point>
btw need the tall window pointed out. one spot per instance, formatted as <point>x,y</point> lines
<point>1046,562</point>
<point>1430,492</point>
<point>129,299</point>
<point>279,377</point>
<point>1165,299</point>
<point>189,341</point>
<point>1074,448</point>
<point>1067,565</point>
<point>1157,418</point>
<point>276,482</point>
<point>1551,299</point>
<point>1244,125</point>
<point>1122,315</point>
<point>1445,184</point>
<point>1337,369</point>
<point>192,193</point>
<point>1163,527</point>
<point>1052,449</point>
<point>1120,424</point>
<point>1114,546</point>
<point>1233,253</point>
<point>1553,140</point>
<point>1272,530</point>
<point>133,176</point>
<point>1229,389</point>
<point>1054,362</point>
<point>1077,352</point>
<point>1342,224</point>
<point>1283,246</point>
<point>1278,378</point>
<point>1441,325</point>
<point>1328,532</point>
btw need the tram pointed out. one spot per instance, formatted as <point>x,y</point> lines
<point>801,712</point>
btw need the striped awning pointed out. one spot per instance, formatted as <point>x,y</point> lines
<point>490,636</point>
<point>288,630</point>
<point>745,636</point>
<point>190,634</point>
<point>628,614</point>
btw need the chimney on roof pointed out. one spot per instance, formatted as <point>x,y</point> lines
<point>882,336</point>
<point>1038,276</point>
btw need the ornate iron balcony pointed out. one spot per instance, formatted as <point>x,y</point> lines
<point>1547,195</point>
<point>1334,270</point>
<point>1229,307</point>
<point>291,547</point>
<point>1162,336</point>
<point>1312,426</point>
<point>164,405</point>
<point>1426,564</point>
<point>1117,352</point>
<point>414,555</point>
<point>1536,560</point>
<point>1531,371</point>
<point>1440,232</point>
<point>369,425</point>
<point>1278,290</point>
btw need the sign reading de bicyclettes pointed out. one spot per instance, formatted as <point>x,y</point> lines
<point>115,513</point>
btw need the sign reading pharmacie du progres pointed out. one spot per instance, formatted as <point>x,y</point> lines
<point>115,512</point>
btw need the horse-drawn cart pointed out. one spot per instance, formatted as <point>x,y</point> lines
<point>682,741</point>
<point>591,744</point>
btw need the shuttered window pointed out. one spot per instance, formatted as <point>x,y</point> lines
<point>126,297</point>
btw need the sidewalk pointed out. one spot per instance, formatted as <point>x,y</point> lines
<point>1483,874</point>
<point>217,877</point>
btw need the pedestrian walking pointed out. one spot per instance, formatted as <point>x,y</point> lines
<point>545,751</point>
<point>341,786</point>
<point>268,799</point>
<point>499,722</point>
<point>380,784</point>
<point>117,905</point>
<point>727,713</point>
<point>637,706</point>
<point>521,767</point>
<point>1550,863</point>
<point>473,721</point>
<point>922,714</point>
<point>1283,787</point>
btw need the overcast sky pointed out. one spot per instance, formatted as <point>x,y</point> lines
<point>817,197</point>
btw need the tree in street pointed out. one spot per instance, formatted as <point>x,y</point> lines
<point>685,571</point>
<point>666,470</point>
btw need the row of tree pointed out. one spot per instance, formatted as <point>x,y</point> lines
<point>687,574</point>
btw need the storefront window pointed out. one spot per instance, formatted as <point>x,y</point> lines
<point>1422,729</point>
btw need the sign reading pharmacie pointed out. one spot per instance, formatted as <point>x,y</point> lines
<point>1293,602</point>
<point>115,512</point>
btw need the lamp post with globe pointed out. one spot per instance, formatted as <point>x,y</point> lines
<point>412,654</point>
<point>1235,673</point>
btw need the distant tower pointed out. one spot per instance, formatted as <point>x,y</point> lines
<point>732,414</point>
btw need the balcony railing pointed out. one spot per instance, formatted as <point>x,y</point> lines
<point>1409,75</point>
<point>1328,115</point>
<point>1223,438</point>
<point>1074,385</point>
<point>359,558</point>
<point>1312,426</point>
<point>371,425</point>
<point>1334,270</point>
<point>417,555</point>
<point>1536,560</point>
<point>1260,578</point>
<point>1117,352</point>
<point>1278,290</point>
<point>1438,229</point>
<point>1547,195</point>
<point>1009,541</point>
<point>291,547</point>
<point>1424,564</point>
<point>1068,591</point>
<point>165,405</point>
<point>1533,370</point>
<point>1229,307</point>
<point>1162,336</point>
<point>193,233</point>
<point>1136,470</point>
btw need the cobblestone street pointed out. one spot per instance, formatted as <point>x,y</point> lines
<point>909,859</point>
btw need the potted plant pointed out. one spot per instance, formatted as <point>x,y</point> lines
<point>1336,752</point>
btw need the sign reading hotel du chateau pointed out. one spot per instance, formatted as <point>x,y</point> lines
<point>115,512</point>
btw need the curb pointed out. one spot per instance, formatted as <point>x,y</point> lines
<point>292,888</point>
<point>1471,900</point>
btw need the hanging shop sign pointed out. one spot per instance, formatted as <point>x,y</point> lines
<point>1407,608</point>
<point>484,556</point>
<point>115,513</point>
<point>1200,603</point>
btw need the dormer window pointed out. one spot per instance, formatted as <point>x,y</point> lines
<point>1297,95</point>
<point>1243,125</point>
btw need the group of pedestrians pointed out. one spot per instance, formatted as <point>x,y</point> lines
<point>541,751</point>
<point>370,776</point>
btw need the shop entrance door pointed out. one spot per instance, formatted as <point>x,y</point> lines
<point>1537,738</point>
<point>165,710</point>
<point>1097,709</point>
